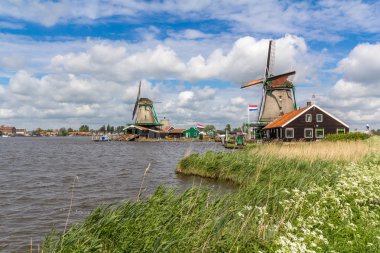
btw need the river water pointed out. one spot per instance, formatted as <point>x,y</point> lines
<point>37,174</point>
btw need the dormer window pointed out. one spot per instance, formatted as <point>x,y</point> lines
<point>308,117</point>
<point>319,117</point>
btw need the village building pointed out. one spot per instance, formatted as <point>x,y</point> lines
<point>308,123</point>
<point>176,133</point>
<point>144,132</point>
<point>8,130</point>
<point>21,132</point>
<point>191,133</point>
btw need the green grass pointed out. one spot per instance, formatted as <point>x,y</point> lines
<point>283,205</point>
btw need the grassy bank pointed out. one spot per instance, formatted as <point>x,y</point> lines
<point>287,203</point>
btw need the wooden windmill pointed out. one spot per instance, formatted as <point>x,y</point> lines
<point>278,91</point>
<point>144,113</point>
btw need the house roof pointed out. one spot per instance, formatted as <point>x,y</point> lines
<point>177,131</point>
<point>289,117</point>
<point>280,121</point>
<point>167,128</point>
<point>141,128</point>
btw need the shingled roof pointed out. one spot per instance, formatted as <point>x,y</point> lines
<point>286,118</point>
<point>280,121</point>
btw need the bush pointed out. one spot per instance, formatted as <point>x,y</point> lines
<point>347,137</point>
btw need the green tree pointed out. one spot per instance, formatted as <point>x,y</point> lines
<point>62,131</point>
<point>112,129</point>
<point>84,128</point>
<point>70,129</point>
<point>228,128</point>
<point>120,129</point>
<point>108,128</point>
<point>209,128</point>
<point>237,129</point>
<point>102,128</point>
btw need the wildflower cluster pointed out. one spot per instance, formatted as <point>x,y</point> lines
<point>328,218</point>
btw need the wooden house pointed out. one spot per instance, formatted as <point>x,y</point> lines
<point>308,123</point>
<point>176,133</point>
<point>191,133</point>
<point>144,132</point>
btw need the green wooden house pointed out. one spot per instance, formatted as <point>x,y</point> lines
<point>191,133</point>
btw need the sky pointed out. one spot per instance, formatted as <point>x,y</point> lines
<point>73,62</point>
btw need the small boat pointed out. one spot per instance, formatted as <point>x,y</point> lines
<point>5,136</point>
<point>101,138</point>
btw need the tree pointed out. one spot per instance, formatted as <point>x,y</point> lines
<point>238,129</point>
<point>112,129</point>
<point>108,128</point>
<point>120,129</point>
<point>102,128</point>
<point>84,128</point>
<point>70,130</point>
<point>228,128</point>
<point>62,131</point>
<point>209,128</point>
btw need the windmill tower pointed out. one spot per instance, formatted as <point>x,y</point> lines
<point>144,113</point>
<point>278,95</point>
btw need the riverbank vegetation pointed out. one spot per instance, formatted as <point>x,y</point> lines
<point>303,197</point>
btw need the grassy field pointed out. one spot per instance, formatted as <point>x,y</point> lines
<point>303,197</point>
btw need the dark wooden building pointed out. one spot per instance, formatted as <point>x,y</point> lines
<point>308,123</point>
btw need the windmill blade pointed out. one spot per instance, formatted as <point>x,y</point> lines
<point>280,79</point>
<point>270,59</point>
<point>137,102</point>
<point>254,82</point>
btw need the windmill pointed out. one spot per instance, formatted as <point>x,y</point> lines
<point>278,95</point>
<point>144,113</point>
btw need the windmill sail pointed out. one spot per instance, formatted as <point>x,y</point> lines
<point>137,102</point>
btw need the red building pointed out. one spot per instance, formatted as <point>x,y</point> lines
<point>8,130</point>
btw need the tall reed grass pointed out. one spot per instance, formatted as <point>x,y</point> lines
<point>286,204</point>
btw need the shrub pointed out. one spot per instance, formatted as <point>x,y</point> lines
<point>347,137</point>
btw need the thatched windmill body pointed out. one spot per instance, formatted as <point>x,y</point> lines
<point>278,95</point>
<point>144,113</point>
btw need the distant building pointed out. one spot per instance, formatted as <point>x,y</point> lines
<point>21,132</point>
<point>8,130</point>
<point>191,133</point>
<point>308,123</point>
<point>176,133</point>
<point>144,132</point>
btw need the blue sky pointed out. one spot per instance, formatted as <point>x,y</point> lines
<point>67,63</point>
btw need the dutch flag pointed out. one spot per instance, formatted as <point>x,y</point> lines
<point>200,125</point>
<point>252,107</point>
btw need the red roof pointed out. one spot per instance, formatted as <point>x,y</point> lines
<point>177,131</point>
<point>280,121</point>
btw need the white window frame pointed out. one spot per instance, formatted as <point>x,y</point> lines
<point>340,128</point>
<point>323,130</point>
<point>321,115</point>
<point>311,117</point>
<point>308,129</point>
<point>286,134</point>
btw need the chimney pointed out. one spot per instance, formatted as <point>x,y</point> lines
<point>308,103</point>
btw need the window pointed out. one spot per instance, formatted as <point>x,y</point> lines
<point>289,132</point>
<point>319,133</point>
<point>308,117</point>
<point>340,130</point>
<point>308,133</point>
<point>319,117</point>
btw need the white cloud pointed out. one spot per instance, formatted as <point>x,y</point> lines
<point>356,95</point>
<point>99,84</point>
<point>362,64</point>
<point>238,101</point>
<point>185,97</point>
<point>317,20</point>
